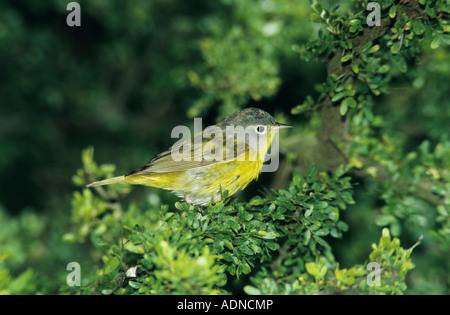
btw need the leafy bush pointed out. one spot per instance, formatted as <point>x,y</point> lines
<point>277,238</point>
<point>367,162</point>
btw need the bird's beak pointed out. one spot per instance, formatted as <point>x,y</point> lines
<point>282,126</point>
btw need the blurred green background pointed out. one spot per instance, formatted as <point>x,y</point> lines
<point>125,78</point>
<point>136,69</point>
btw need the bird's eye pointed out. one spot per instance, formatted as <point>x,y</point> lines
<point>260,129</point>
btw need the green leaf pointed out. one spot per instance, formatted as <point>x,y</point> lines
<point>384,219</point>
<point>134,284</point>
<point>392,11</point>
<point>246,250</point>
<point>244,268</point>
<point>307,237</point>
<point>436,42</point>
<point>350,102</point>
<point>323,232</point>
<point>353,28</point>
<point>373,49</point>
<point>251,290</point>
<point>231,258</point>
<point>445,37</point>
<point>257,201</point>
<point>228,244</point>
<point>272,245</point>
<point>383,68</point>
<point>112,264</point>
<point>320,204</point>
<point>267,235</point>
<point>300,109</point>
<point>232,224</point>
<point>318,270</point>
<point>342,226</point>
<point>321,241</point>
<point>418,27</point>
<point>346,58</point>
<point>366,46</point>
<point>396,47</point>
<point>343,108</point>
<point>337,97</point>
<point>312,268</point>
<point>278,216</point>
<point>309,211</point>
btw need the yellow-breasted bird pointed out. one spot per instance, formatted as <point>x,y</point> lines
<point>226,156</point>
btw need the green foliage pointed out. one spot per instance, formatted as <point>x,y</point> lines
<point>394,262</point>
<point>365,64</point>
<point>374,68</point>
<point>15,249</point>
<point>24,256</point>
<point>375,96</point>
<point>190,250</point>
<point>242,60</point>
<point>325,277</point>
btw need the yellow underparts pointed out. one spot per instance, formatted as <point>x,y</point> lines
<point>202,185</point>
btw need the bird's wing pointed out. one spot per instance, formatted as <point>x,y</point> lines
<point>193,153</point>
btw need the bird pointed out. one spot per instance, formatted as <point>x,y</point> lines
<point>223,157</point>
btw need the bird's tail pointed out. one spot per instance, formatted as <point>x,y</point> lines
<point>114,180</point>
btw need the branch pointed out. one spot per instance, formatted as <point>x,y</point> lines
<point>334,126</point>
<point>323,149</point>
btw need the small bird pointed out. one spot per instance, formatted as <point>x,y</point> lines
<point>199,168</point>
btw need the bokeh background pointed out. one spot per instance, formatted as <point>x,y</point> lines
<point>136,69</point>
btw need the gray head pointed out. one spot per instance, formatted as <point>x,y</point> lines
<point>252,123</point>
<point>249,117</point>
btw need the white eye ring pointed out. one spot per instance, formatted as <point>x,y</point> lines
<point>260,129</point>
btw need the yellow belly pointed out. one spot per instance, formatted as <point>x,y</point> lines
<point>202,185</point>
